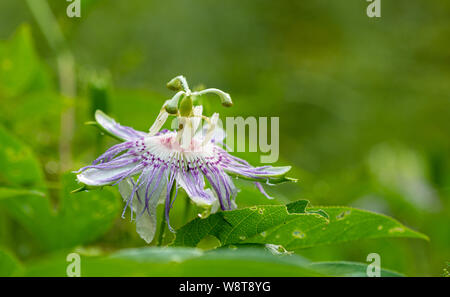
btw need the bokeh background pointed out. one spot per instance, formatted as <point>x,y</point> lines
<point>364,103</point>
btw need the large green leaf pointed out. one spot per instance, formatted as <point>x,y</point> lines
<point>239,225</point>
<point>31,105</point>
<point>31,209</point>
<point>84,216</point>
<point>9,265</point>
<point>181,261</point>
<point>81,217</point>
<point>21,69</point>
<point>292,226</point>
<point>10,192</point>
<point>19,166</point>
<point>345,268</point>
<point>155,261</point>
<point>36,121</point>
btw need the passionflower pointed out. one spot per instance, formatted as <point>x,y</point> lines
<point>150,167</point>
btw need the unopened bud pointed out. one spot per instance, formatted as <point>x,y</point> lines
<point>225,98</point>
<point>186,106</point>
<point>178,83</point>
<point>174,85</point>
<point>171,105</point>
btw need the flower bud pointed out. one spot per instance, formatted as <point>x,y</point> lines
<point>174,84</point>
<point>171,105</point>
<point>186,106</point>
<point>225,98</point>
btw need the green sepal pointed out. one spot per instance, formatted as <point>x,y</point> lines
<point>84,188</point>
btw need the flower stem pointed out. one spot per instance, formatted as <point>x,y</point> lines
<point>162,229</point>
<point>187,208</point>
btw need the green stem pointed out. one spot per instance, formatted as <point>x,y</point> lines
<point>162,229</point>
<point>187,208</point>
<point>50,28</point>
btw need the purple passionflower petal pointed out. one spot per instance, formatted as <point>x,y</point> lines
<point>147,167</point>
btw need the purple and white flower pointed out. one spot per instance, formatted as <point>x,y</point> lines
<point>149,168</point>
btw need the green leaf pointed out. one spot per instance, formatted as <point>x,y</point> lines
<point>154,261</point>
<point>81,217</point>
<point>31,209</point>
<point>19,166</point>
<point>20,69</point>
<point>84,216</point>
<point>36,121</point>
<point>9,265</point>
<point>345,268</point>
<point>10,192</point>
<point>297,206</point>
<point>293,226</point>
<point>237,226</point>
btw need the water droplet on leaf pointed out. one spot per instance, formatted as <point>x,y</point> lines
<point>343,214</point>
<point>298,234</point>
<point>397,230</point>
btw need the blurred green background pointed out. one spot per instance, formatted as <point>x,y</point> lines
<point>364,104</point>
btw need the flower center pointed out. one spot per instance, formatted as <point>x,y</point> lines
<point>167,147</point>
